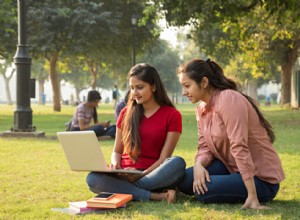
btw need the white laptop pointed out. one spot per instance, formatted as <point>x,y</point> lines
<point>83,152</point>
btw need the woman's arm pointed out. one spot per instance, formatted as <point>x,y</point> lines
<point>117,151</point>
<point>252,200</point>
<point>167,151</point>
<point>82,126</point>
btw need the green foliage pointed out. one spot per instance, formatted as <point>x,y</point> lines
<point>76,76</point>
<point>96,32</point>
<point>66,26</point>
<point>38,69</point>
<point>35,176</point>
<point>166,60</point>
<point>8,30</point>
<point>266,31</point>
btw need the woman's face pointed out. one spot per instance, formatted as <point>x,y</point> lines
<point>96,103</point>
<point>141,91</point>
<point>193,91</point>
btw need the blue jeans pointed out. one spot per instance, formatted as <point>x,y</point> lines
<point>100,130</point>
<point>166,176</point>
<point>226,187</point>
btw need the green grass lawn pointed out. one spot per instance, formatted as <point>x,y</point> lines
<point>35,176</point>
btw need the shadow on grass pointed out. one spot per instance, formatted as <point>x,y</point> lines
<point>282,209</point>
<point>187,207</point>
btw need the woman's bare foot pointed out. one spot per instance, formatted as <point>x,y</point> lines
<point>169,196</point>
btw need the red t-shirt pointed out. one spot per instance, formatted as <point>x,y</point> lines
<point>153,132</point>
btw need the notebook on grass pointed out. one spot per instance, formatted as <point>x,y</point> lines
<point>115,201</point>
<point>84,153</point>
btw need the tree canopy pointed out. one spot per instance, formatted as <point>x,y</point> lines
<point>95,31</point>
<point>265,31</point>
<point>8,30</point>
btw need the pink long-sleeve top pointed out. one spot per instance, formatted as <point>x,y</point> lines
<point>229,130</point>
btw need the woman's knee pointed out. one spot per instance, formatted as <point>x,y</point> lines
<point>177,162</point>
<point>265,191</point>
<point>92,180</point>
<point>98,129</point>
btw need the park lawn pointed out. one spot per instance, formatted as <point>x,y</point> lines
<point>35,176</point>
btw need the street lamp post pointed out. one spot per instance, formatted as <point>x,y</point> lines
<point>25,86</point>
<point>134,21</point>
<point>22,60</point>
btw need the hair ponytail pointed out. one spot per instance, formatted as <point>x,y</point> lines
<point>262,120</point>
<point>218,79</point>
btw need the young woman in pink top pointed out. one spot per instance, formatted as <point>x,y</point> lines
<point>236,161</point>
<point>148,130</point>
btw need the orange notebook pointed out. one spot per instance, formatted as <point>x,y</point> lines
<point>114,202</point>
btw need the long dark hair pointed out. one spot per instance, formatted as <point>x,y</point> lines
<point>196,69</point>
<point>134,113</point>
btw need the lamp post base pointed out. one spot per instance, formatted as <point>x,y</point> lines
<point>35,134</point>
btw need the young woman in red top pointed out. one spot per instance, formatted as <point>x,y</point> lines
<point>236,161</point>
<point>148,130</point>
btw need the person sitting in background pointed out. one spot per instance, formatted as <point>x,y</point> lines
<point>121,104</point>
<point>84,114</point>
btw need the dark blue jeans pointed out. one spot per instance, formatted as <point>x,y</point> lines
<point>166,176</point>
<point>226,187</point>
<point>101,130</point>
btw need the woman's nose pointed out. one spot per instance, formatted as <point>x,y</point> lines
<point>134,91</point>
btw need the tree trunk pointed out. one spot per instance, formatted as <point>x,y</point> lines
<point>94,70</point>
<point>286,77</point>
<point>251,89</point>
<point>41,91</point>
<point>55,82</point>
<point>287,64</point>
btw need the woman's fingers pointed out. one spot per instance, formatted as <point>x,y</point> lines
<point>207,176</point>
<point>199,186</point>
<point>201,175</point>
<point>251,203</point>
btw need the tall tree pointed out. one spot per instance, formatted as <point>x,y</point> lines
<point>224,28</point>
<point>92,29</point>
<point>8,42</point>
<point>112,52</point>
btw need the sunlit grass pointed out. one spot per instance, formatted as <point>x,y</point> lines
<point>35,176</point>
